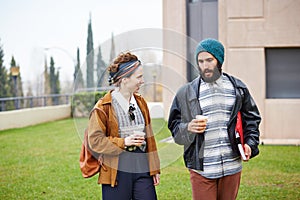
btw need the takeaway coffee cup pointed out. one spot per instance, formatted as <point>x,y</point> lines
<point>201,117</point>
<point>139,134</point>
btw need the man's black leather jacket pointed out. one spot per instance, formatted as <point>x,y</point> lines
<point>186,106</point>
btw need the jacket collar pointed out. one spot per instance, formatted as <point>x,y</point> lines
<point>107,99</point>
<point>192,97</point>
<point>193,89</point>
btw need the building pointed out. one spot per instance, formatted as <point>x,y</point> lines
<point>262,48</point>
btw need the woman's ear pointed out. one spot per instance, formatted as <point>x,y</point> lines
<point>124,80</point>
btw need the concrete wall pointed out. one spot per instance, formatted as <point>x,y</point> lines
<point>32,116</point>
<point>246,28</point>
<point>174,45</point>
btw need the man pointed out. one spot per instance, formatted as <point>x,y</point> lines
<point>210,145</point>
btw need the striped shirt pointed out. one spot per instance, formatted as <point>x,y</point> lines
<point>126,125</point>
<point>217,100</point>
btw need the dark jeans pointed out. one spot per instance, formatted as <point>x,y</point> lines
<point>133,179</point>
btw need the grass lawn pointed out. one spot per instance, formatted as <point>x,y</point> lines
<point>41,162</point>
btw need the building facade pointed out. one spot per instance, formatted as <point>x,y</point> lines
<point>262,48</point>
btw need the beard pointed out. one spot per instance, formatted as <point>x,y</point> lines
<point>216,73</point>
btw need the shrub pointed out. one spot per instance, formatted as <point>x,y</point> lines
<point>83,102</point>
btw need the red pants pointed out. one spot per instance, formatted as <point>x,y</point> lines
<point>225,188</point>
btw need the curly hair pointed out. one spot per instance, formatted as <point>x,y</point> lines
<point>122,58</point>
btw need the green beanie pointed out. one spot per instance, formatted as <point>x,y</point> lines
<point>213,47</point>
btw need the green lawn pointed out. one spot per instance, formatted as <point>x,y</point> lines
<point>41,162</point>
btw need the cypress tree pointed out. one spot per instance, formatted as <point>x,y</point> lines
<point>20,86</point>
<point>78,79</point>
<point>90,57</point>
<point>112,49</point>
<point>47,88</point>
<point>52,77</point>
<point>100,67</point>
<point>57,83</point>
<point>54,81</point>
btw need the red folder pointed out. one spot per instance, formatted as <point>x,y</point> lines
<point>239,127</point>
<point>240,136</point>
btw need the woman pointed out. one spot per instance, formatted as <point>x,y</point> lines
<point>131,165</point>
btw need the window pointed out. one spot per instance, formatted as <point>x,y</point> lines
<point>282,72</point>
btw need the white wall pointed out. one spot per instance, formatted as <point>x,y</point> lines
<point>32,116</point>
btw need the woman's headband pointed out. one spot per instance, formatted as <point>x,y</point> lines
<point>124,70</point>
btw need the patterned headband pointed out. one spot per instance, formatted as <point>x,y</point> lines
<point>124,70</point>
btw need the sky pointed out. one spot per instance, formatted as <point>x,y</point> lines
<point>32,30</point>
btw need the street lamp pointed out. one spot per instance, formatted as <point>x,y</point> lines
<point>15,73</point>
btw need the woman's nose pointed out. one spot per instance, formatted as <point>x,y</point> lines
<point>142,81</point>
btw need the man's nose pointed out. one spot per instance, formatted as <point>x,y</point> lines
<point>205,65</point>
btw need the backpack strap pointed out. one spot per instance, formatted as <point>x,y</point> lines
<point>104,111</point>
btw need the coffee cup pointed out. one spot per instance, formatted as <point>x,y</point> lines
<point>139,133</point>
<point>202,117</point>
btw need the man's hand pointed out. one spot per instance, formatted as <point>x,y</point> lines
<point>247,150</point>
<point>197,125</point>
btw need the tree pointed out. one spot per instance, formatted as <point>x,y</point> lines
<point>78,78</point>
<point>112,49</point>
<point>54,81</point>
<point>4,82</point>
<point>20,86</point>
<point>100,67</point>
<point>47,88</point>
<point>54,78</point>
<point>90,57</point>
<point>46,83</point>
<point>57,83</point>
<point>4,86</point>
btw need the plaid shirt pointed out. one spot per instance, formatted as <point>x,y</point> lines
<point>217,100</point>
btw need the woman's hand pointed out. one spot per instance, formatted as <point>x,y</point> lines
<point>156,179</point>
<point>197,125</point>
<point>133,140</point>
